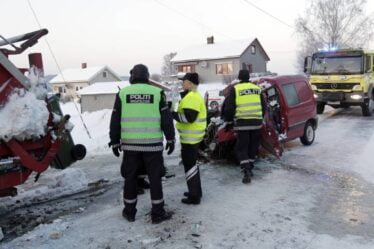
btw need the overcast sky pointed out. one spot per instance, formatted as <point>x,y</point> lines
<point>121,33</point>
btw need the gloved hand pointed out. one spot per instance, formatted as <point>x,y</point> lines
<point>116,148</point>
<point>228,126</point>
<point>170,145</point>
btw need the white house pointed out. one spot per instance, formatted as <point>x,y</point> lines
<point>100,95</point>
<point>221,61</point>
<point>70,81</point>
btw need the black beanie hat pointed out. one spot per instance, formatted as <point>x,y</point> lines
<point>139,73</point>
<point>243,75</point>
<point>193,77</point>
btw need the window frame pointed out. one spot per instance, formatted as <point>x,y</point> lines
<point>181,68</point>
<point>228,69</point>
<point>253,49</point>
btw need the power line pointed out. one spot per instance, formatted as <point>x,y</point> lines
<point>58,66</point>
<point>267,13</point>
<point>198,22</point>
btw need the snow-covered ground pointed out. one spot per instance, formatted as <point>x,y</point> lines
<point>321,196</point>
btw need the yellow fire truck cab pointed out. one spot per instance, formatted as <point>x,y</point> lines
<point>342,78</point>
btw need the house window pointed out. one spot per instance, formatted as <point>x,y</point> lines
<point>105,74</point>
<point>64,90</point>
<point>250,68</point>
<point>81,87</point>
<point>253,49</point>
<point>224,68</point>
<point>186,69</point>
<point>60,89</point>
<point>77,88</point>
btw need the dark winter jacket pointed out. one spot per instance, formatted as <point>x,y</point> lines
<point>229,108</point>
<point>167,124</point>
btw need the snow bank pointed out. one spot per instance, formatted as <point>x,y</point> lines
<point>25,114</point>
<point>97,124</point>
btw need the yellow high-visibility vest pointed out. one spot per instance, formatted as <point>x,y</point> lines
<point>248,101</point>
<point>192,133</point>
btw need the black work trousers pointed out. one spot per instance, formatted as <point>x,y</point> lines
<point>247,143</point>
<point>189,158</point>
<point>153,163</point>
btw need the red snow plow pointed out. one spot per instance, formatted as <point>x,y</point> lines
<point>35,153</point>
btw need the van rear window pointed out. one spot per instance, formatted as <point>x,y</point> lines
<point>291,94</point>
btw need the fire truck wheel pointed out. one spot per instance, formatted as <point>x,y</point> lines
<point>309,134</point>
<point>367,108</point>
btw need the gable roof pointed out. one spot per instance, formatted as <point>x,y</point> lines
<point>103,88</point>
<point>81,74</point>
<point>217,50</point>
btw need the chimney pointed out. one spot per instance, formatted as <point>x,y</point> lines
<point>210,40</point>
<point>84,65</point>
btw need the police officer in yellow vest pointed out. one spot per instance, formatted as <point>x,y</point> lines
<point>140,119</point>
<point>191,124</point>
<point>244,109</point>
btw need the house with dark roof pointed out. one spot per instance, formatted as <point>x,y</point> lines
<point>70,81</point>
<point>221,61</point>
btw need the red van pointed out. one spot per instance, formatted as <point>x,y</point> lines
<point>291,113</point>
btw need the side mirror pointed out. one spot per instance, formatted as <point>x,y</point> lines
<point>307,64</point>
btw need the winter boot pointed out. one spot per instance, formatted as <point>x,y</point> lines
<point>186,194</point>
<point>156,219</point>
<point>247,176</point>
<point>191,200</point>
<point>128,217</point>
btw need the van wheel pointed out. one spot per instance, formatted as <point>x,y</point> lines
<point>367,107</point>
<point>309,134</point>
<point>320,108</point>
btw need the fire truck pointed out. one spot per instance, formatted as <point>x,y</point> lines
<point>342,78</point>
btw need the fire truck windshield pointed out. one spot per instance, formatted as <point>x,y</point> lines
<point>337,65</point>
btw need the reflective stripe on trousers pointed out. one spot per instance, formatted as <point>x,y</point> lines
<point>130,201</point>
<point>192,172</point>
<point>157,201</point>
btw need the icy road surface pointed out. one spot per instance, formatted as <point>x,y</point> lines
<point>321,196</point>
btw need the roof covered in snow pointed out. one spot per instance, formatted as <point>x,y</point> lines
<point>103,88</point>
<point>81,74</point>
<point>217,50</point>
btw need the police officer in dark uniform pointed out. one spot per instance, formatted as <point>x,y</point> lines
<point>244,109</point>
<point>140,119</point>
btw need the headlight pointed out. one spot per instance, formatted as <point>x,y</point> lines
<point>357,88</point>
<point>315,96</point>
<point>356,97</point>
<point>314,88</point>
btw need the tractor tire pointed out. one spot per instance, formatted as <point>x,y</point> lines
<point>309,134</point>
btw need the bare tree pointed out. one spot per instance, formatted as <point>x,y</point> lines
<point>167,66</point>
<point>333,23</point>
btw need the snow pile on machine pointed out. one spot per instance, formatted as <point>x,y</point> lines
<point>34,133</point>
<point>25,115</point>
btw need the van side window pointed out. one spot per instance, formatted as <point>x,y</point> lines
<point>290,94</point>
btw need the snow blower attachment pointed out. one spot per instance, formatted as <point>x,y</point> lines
<point>34,133</point>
